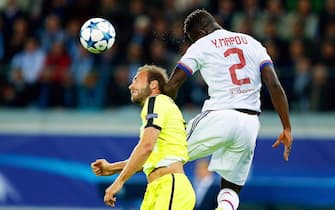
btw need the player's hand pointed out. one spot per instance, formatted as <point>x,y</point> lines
<point>101,167</point>
<point>110,192</point>
<point>285,138</point>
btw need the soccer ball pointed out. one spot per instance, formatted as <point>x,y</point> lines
<point>97,35</point>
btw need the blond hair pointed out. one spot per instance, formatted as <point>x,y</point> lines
<point>155,73</point>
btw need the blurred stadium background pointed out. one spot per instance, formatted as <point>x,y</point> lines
<point>61,107</point>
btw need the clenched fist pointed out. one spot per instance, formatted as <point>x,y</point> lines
<point>101,167</point>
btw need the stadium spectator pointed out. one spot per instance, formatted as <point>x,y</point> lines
<point>15,92</point>
<point>141,31</point>
<point>85,80</point>
<point>15,43</point>
<point>298,49</point>
<point>159,54</point>
<point>71,39</point>
<point>134,58</point>
<point>55,78</point>
<point>105,65</point>
<point>83,9</point>
<point>327,18</point>
<point>244,20</point>
<point>302,22</point>
<point>176,37</point>
<point>301,85</point>
<point>10,14</point>
<point>321,89</point>
<point>327,53</point>
<point>118,93</point>
<point>51,33</point>
<point>271,35</point>
<point>2,45</point>
<point>225,12</point>
<point>274,13</point>
<point>60,8</point>
<point>28,64</point>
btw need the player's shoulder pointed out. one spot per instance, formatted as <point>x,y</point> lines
<point>160,103</point>
<point>223,33</point>
<point>165,98</point>
<point>251,39</point>
<point>252,42</point>
<point>247,36</point>
<point>201,45</point>
<point>160,98</point>
<point>151,103</point>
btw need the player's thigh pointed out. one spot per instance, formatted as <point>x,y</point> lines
<point>234,161</point>
<point>149,198</point>
<point>209,132</point>
<point>173,192</point>
<point>184,195</point>
<point>231,165</point>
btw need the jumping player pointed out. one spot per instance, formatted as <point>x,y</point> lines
<point>233,65</point>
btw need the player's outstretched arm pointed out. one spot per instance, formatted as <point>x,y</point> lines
<point>279,101</point>
<point>135,163</point>
<point>102,167</point>
<point>176,79</point>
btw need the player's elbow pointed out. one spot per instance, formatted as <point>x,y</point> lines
<point>274,86</point>
<point>147,148</point>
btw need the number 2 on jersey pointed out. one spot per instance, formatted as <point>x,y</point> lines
<point>238,66</point>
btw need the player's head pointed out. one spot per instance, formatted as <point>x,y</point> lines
<point>149,80</point>
<point>199,23</point>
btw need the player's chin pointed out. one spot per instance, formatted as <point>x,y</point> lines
<point>132,99</point>
<point>135,99</point>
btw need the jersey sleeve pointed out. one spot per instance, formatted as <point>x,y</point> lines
<point>155,114</point>
<point>263,57</point>
<point>191,61</point>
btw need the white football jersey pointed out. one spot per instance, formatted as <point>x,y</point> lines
<point>230,63</point>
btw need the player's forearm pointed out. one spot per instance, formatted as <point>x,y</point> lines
<point>116,167</point>
<point>279,101</point>
<point>176,79</point>
<point>135,162</point>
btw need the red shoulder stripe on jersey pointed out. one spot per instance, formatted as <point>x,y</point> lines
<point>185,68</point>
<point>265,63</point>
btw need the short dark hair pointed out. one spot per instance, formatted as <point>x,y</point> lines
<point>155,73</point>
<point>197,20</point>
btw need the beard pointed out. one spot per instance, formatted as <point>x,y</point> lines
<point>141,95</point>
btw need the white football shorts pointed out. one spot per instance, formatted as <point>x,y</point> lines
<point>229,136</point>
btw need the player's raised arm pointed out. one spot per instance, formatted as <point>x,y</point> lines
<point>279,101</point>
<point>176,79</point>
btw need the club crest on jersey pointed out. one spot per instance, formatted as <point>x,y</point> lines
<point>151,116</point>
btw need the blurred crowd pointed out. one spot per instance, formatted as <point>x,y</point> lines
<point>42,64</point>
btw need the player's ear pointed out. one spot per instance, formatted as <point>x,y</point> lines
<point>154,85</point>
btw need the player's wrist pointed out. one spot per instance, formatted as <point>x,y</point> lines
<point>287,129</point>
